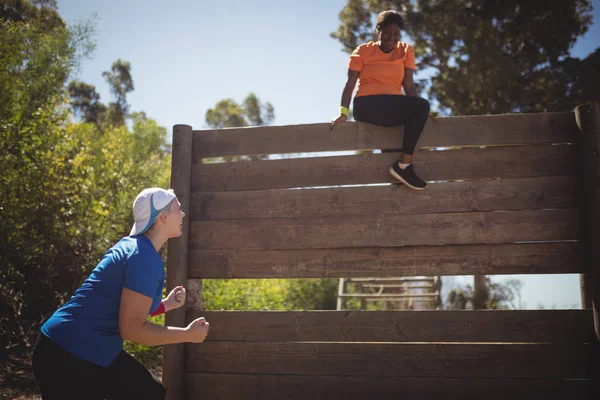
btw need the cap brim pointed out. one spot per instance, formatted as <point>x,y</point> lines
<point>135,230</point>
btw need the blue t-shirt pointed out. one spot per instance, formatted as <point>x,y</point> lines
<point>87,326</point>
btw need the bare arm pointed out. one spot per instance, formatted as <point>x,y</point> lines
<point>349,88</point>
<point>408,83</point>
<point>346,96</point>
<point>133,325</point>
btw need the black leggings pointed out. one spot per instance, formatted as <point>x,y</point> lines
<point>61,375</point>
<point>394,110</point>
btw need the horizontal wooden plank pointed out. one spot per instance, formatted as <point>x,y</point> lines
<point>465,164</point>
<point>385,230</point>
<point>533,326</point>
<point>448,132</point>
<point>302,387</point>
<point>481,195</point>
<point>392,359</point>
<point>531,258</point>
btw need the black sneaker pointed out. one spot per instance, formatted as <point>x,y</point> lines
<point>407,176</point>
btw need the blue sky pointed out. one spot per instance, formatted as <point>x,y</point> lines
<point>189,54</point>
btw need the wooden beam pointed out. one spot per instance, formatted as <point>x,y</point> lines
<point>386,230</point>
<point>490,259</point>
<point>177,263</point>
<point>527,326</point>
<point>448,132</point>
<point>481,195</point>
<point>465,164</point>
<point>392,359</point>
<point>301,387</point>
<point>193,299</point>
<point>588,121</point>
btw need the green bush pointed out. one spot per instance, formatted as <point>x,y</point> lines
<point>269,294</point>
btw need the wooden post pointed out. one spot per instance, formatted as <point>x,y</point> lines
<point>177,258</point>
<point>480,292</point>
<point>193,300</point>
<point>588,121</point>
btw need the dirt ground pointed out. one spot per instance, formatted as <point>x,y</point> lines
<point>16,379</point>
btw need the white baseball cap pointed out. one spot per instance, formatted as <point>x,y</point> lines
<point>146,207</point>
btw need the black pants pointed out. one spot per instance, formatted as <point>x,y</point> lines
<point>391,110</point>
<point>60,375</point>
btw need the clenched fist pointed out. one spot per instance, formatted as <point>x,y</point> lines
<point>175,299</point>
<point>197,330</point>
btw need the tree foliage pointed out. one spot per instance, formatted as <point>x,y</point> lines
<point>41,13</point>
<point>228,113</point>
<point>85,102</point>
<point>67,188</point>
<point>121,83</point>
<point>490,56</point>
<point>269,294</point>
<point>495,296</point>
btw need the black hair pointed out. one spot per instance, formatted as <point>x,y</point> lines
<point>386,18</point>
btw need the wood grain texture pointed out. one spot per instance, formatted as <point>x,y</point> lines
<point>386,230</point>
<point>499,259</point>
<point>173,365</point>
<point>392,359</point>
<point>588,120</point>
<point>532,326</point>
<point>481,195</point>
<point>451,131</point>
<point>302,387</point>
<point>465,164</point>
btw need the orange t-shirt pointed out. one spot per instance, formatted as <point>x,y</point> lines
<point>381,73</point>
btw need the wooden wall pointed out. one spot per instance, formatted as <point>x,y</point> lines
<point>506,197</point>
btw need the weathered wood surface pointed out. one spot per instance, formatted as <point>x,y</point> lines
<point>530,258</point>
<point>588,121</point>
<point>532,326</point>
<point>448,132</point>
<point>481,195</point>
<point>193,298</point>
<point>392,359</point>
<point>302,387</point>
<point>473,163</point>
<point>178,257</point>
<point>386,230</point>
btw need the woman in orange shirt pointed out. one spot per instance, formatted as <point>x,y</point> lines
<point>382,69</point>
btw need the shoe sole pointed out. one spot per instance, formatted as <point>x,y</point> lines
<point>395,175</point>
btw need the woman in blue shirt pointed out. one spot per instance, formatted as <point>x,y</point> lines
<point>80,353</point>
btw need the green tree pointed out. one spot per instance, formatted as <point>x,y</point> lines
<point>85,102</point>
<point>495,296</point>
<point>34,66</point>
<point>229,114</point>
<point>41,13</point>
<point>67,188</point>
<point>488,56</point>
<point>269,294</point>
<point>312,294</point>
<point>121,83</point>
<point>244,294</point>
